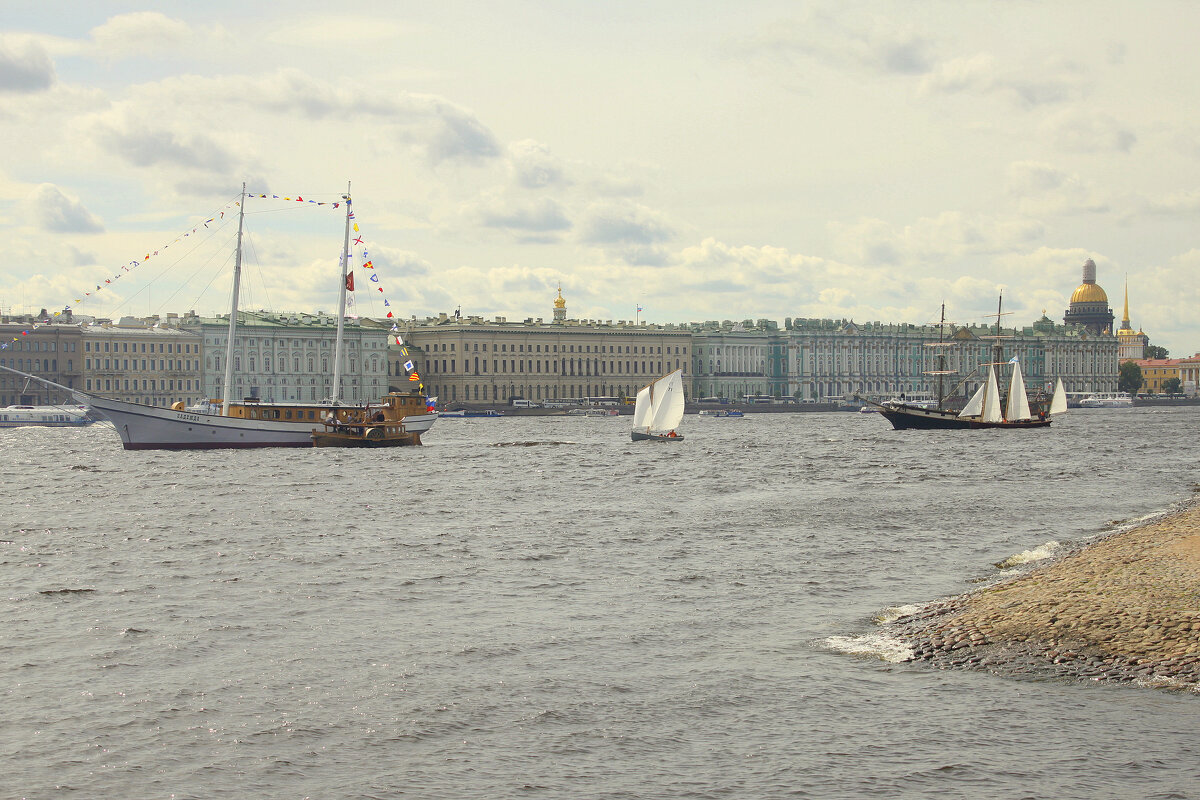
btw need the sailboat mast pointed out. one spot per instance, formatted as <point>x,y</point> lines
<point>998,355</point>
<point>941,356</point>
<point>233,310</point>
<point>339,342</point>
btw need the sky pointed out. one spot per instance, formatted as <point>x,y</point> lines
<point>702,160</point>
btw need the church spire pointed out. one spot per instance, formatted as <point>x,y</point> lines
<point>1125,319</point>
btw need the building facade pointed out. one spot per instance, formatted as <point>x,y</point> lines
<point>154,365</point>
<point>51,350</point>
<point>280,358</point>
<point>1156,372</point>
<point>472,360</point>
<point>731,360</point>
<point>822,360</point>
<point>1189,374</point>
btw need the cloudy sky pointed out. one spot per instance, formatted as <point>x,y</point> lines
<point>705,160</point>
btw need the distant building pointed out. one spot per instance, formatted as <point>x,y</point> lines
<point>289,357</point>
<point>1156,372</point>
<point>831,359</point>
<point>1189,374</point>
<point>1131,344</point>
<point>1089,304</point>
<point>52,351</point>
<point>151,364</point>
<point>469,359</point>
<point>732,359</point>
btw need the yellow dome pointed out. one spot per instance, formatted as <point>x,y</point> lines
<point>1089,293</point>
<point>559,302</point>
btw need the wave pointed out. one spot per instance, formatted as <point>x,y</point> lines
<point>878,644</point>
<point>1039,553</point>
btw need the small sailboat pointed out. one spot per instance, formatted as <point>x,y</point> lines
<point>659,410</point>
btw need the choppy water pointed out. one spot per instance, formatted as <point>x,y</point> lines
<point>537,607</point>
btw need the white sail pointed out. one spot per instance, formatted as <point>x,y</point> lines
<point>1018,402</point>
<point>643,409</point>
<point>974,406</point>
<point>1058,403</point>
<point>991,399</point>
<point>668,402</point>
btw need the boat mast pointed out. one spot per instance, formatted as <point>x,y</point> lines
<point>941,355</point>
<point>339,342</point>
<point>998,355</point>
<point>233,310</point>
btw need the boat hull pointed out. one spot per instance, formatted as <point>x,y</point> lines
<point>151,428</point>
<point>643,436</point>
<point>916,418</point>
<point>393,436</point>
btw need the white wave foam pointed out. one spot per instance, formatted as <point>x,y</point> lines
<point>879,645</point>
<point>1026,556</point>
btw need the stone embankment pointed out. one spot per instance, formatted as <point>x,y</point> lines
<point>1125,608</point>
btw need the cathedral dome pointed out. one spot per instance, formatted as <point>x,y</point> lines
<point>1089,293</point>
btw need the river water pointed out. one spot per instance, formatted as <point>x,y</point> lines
<point>539,608</point>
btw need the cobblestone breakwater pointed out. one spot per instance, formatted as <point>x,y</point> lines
<point>1125,608</point>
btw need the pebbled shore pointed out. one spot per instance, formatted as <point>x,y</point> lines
<point>1125,608</point>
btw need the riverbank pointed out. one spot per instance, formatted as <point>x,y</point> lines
<point>1125,608</point>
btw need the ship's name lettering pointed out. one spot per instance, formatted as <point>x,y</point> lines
<point>188,417</point>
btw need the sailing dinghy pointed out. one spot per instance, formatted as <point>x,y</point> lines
<point>659,410</point>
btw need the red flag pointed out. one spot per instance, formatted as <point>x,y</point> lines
<point>389,315</point>
<point>349,281</point>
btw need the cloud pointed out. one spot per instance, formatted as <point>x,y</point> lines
<point>541,215</point>
<point>533,166</point>
<point>334,31</point>
<point>629,232</point>
<point>460,136</point>
<point>441,130</point>
<point>52,210</point>
<point>1081,130</point>
<point>871,44</point>
<point>1043,189</point>
<point>945,238</point>
<point>24,67</point>
<point>145,146</point>
<point>1184,203</point>
<point>981,74</point>
<point>623,224</point>
<point>140,33</point>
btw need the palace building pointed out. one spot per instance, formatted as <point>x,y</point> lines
<point>472,360</point>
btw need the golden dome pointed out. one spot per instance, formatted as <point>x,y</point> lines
<point>1089,293</point>
<point>559,302</point>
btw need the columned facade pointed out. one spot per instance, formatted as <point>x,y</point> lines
<point>284,358</point>
<point>470,360</point>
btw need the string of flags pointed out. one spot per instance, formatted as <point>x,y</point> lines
<point>367,264</point>
<point>134,263</point>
